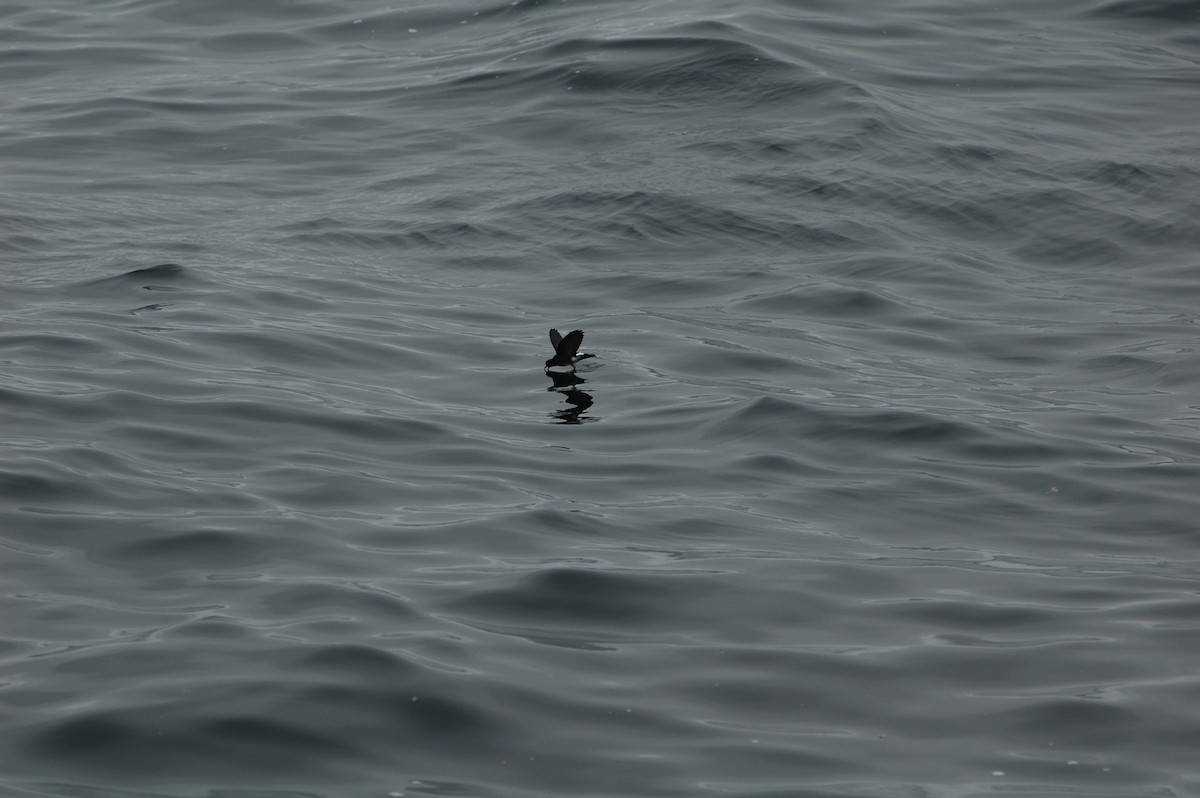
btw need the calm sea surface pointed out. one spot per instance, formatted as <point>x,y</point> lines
<point>885,480</point>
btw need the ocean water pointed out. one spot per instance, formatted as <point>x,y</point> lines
<point>884,480</point>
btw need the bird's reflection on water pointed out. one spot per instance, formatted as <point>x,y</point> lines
<point>578,401</point>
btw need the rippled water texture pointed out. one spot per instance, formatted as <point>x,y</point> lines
<point>882,483</point>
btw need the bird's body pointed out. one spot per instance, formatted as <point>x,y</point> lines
<point>566,348</point>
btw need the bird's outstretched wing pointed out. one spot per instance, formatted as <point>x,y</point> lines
<point>555,339</point>
<point>570,344</point>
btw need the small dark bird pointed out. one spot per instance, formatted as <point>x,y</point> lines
<point>565,347</point>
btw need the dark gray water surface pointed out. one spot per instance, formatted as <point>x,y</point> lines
<point>883,483</point>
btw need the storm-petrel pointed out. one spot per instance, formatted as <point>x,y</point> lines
<point>565,347</point>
